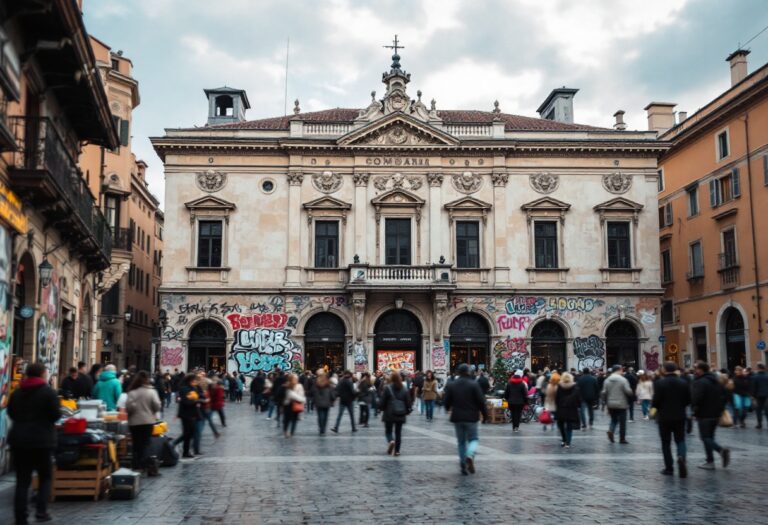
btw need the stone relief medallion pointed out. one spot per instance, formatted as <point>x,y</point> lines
<point>544,182</point>
<point>397,181</point>
<point>211,180</point>
<point>466,182</point>
<point>327,181</point>
<point>617,182</point>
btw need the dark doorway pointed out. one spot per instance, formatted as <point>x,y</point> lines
<point>735,340</point>
<point>469,341</point>
<point>622,346</point>
<point>24,308</point>
<point>397,343</point>
<point>207,347</point>
<point>547,346</point>
<point>700,343</point>
<point>324,342</point>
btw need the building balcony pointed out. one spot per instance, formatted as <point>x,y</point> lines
<point>399,277</point>
<point>122,239</point>
<point>45,174</point>
<point>695,275</point>
<point>728,268</point>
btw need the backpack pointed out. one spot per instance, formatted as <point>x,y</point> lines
<point>398,405</point>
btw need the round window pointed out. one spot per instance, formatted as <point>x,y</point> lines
<point>268,186</point>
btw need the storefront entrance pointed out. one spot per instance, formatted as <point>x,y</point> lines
<point>735,340</point>
<point>324,343</point>
<point>397,342</point>
<point>470,339</point>
<point>621,345</point>
<point>547,346</point>
<point>207,347</point>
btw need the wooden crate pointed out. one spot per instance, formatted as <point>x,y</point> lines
<point>91,482</point>
<point>496,415</point>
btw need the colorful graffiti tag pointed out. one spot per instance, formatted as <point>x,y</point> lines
<point>513,353</point>
<point>360,357</point>
<point>396,360</point>
<point>171,356</point>
<point>5,339</point>
<point>263,349</point>
<point>439,365</point>
<point>528,305</point>
<point>49,327</point>
<point>590,352</point>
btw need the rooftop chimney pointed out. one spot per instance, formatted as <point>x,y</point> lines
<point>681,116</point>
<point>226,105</point>
<point>558,106</point>
<point>738,60</point>
<point>619,125</point>
<point>661,116</point>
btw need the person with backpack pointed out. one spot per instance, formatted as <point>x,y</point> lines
<point>395,405</point>
<point>516,395</point>
<point>708,400</point>
<point>345,391</point>
<point>465,401</point>
<point>671,397</point>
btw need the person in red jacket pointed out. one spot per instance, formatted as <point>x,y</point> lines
<point>218,395</point>
<point>516,394</point>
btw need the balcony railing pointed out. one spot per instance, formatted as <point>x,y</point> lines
<point>401,275</point>
<point>728,268</point>
<point>45,171</point>
<point>122,239</point>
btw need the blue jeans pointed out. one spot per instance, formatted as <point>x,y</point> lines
<point>199,425</point>
<point>566,430</point>
<point>322,419</point>
<point>271,408</point>
<point>587,407</point>
<point>618,417</point>
<point>466,437</point>
<point>430,406</point>
<point>645,404</point>
<point>707,429</point>
<point>741,405</point>
<point>342,407</point>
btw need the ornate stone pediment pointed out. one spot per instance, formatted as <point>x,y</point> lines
<point>398,130</point>
<point>398,199</point>
<point>327,203</point>
<point>209,206</point>
<point>619,204</point>
<point>546,204</point>
<point>467,203</point>
<point>397,181</point>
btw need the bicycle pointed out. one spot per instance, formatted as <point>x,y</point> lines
<point>530,411</point>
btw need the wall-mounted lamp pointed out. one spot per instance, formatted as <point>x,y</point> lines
<point>46,272</point>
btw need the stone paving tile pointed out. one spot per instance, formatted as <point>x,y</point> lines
<point>253,475</point>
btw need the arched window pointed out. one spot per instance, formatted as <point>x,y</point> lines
<point>470,340</point>
<point>735,339</point>
<point>324,342</point>
<point>622,345</point>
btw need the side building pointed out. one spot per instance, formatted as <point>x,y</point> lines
<point>713,183</point>
<point>401,235</point>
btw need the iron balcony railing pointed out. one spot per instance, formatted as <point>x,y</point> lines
<point>728,268</point>
<point>122,239</point>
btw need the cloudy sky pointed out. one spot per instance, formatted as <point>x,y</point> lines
<point>620,54</point>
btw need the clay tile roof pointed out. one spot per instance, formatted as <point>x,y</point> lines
<point>512,122</point>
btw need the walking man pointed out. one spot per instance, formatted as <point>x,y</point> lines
<point>465,401</point>
<point>671,397</point>
<point>760,391</point>
<point>617,393</point>
<point>345,391</point>
<point>708,397</point>
<point>590,393</point>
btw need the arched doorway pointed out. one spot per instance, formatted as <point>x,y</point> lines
<point>622,346</point>
<point>24,309</point>
<point>207,347</point>
<point>324,342</point>
<point>470,338</point>
<point>397,342</point>
<point>547,346</point>
<point>735,340</point>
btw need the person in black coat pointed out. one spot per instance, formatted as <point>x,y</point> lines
<point>590,394</point>
<point>516,395</point>
<point>708,398</point>
<point>34,410</point>
<point>465,401</point>
<point>760,392</point>
<point>345,391</point>
<point>567,403</point>
<point>632,378</point>
<point>189,412</point>
<point>395,405</point>
<point>671,397</point>
<point>257,390</point>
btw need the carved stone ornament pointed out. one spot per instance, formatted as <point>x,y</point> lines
<point>467,182</point>
<point>544,182</point>
<point>499,178</point>
<point>361,179</point>
<point>327,181</point>
<point>397,181</point>
<point>211,181</point>
<point>398,135</point>
<point>435,179</point>
<point>295,179</point>
<point>617,182</point>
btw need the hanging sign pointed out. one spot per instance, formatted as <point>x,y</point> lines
<point>10,209</point>
<point>26,311</point>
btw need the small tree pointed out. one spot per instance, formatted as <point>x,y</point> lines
<point>499,371</point>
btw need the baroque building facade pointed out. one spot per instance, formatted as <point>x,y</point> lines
<point>405,236</point>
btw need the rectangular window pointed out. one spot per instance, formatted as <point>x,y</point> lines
<point>146,284</point>
<point>467,244</point>
<point>326,244</point>
<point>722,145</point>
<point>697,260</point>
<point>725,189</point>
<point>666,266</point>
<point>699,334</point>
<point>124,136</point>
<point>660,180</point>
<point>112,209</point>
<point>115,64</point>
<point>110,303</point>
<point>728,257</point>
<point>545,236</point>
<point>619,255</point>
<point>665,215</point>
<point>667,313</point>
<point>209,238</point>
<point>397,233</point>
<point>693,200</point>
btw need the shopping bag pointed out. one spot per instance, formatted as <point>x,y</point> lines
<point>725,419</point>
<point>545,418</point>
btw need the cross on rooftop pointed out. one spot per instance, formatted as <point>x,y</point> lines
<point>395,46</point>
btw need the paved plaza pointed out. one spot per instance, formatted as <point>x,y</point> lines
<point>253,475</point>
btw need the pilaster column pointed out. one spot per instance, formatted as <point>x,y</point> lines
<point>360,244</point>
<point>293,269</point>
<point>440,307</point>
<point>500,177</point>
<point>358,310</point>
<point>435,231</point>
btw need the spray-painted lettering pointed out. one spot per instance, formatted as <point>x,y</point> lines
<point>513,322</point>
<point>265,320</point>
<point>262,349</point>
<point>171,356</point>
<point>590,352</point>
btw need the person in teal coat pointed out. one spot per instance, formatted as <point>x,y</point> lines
<point>108,388</point>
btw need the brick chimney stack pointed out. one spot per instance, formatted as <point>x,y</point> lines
<point>738,61</point>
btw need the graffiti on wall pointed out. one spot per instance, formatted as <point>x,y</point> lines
<point>6,330</point>
<point>171,356</point>
<point>49,326</point>
<point>396,360</point>
<point>360,357</point>
<point>265,320</point>
<point>530,305</point>
<point>439,365</point>
<point>512,322</point>
<point>652,359</point>
<point>263,349</point>
<point>590,352</point>
<point>513,353</point>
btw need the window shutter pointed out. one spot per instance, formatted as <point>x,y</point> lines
<point>765,170</point>
<point>713,193</point>
<point>668,214</point>
<point>123,132</point>
<point>735,183</point>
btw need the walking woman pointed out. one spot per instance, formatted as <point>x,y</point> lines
<point>429,393</point>
<point>516,394</point>
<point>549,396</point>
<point>189,411</point>
<point>323,395</point>
<point>365,398</point>
<point>293,404</point>
<point>396,405</point>
<point>742,400</point>
<point>644,393</point>
<point>218,399</point>
<point>567,403</point>
<point>142,406</point>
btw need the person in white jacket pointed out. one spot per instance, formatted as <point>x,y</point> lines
<point>293,404</point>
<point>644,392</point>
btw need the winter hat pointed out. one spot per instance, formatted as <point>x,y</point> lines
<point>518,373</point>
